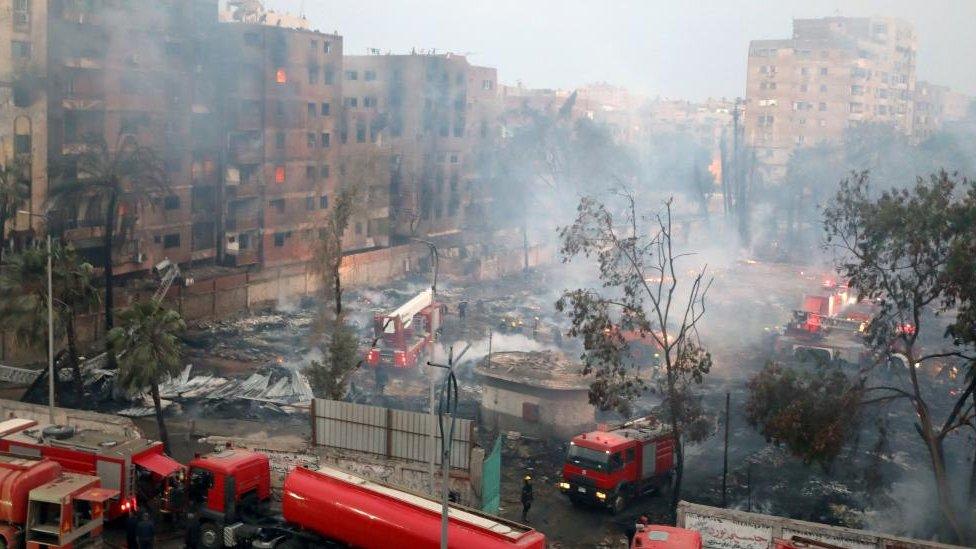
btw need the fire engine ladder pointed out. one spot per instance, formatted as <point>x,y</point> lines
<point>838,323</point>
<point>168,277</point>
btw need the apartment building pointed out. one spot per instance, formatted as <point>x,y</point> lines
<point>934,106</point>
<point>134,71</point>
<point>431,113</point>
<point>23,115</point>
<point>280,91</point>
<point>833,73</point>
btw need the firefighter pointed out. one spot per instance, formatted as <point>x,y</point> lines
<point>131,522</point>
<point>526,497</point>
<point>146,531</point>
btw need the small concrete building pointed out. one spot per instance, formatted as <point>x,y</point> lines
<point>538,393</point>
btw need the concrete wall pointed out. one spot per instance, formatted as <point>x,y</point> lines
<point>562,414</point>
<point>729,529</point>
<point>79,419</point>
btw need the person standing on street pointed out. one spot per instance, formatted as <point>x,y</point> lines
<point>526,497</point>
<point>145,531</point>
<point>192,536</point>
<point>131,522</point>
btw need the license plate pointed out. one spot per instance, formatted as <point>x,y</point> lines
<point>581,490</point>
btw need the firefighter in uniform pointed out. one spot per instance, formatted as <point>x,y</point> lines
<point>526,497</point>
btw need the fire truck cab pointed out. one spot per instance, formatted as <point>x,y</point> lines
<point>228,487</point>
<point>610,467</point>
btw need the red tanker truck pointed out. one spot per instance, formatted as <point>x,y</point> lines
<point>41,506</point>
<point>328,507</point>
<point>609,467</point>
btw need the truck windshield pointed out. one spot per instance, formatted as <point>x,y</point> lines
<point>587,458</point>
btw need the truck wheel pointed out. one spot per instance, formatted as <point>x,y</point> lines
<point>210,536</point>
<point>618,504</point>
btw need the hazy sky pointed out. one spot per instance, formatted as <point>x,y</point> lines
<point>681,49</point>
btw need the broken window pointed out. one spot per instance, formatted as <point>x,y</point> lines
<point>327,47</point>
<point>278,204</point>
<point>171,241</point>
<point>22,144</point>
<point>279,239</point>
<point>324,201</point>
<point>326,140</point>
<point>280,76</point>
<point>325,109</point>
<point>279,174</point>
<point>311,140</point>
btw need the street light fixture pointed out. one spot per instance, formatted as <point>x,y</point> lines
<point>50,317</point>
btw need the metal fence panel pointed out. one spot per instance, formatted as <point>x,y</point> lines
<point>491,479</point>
<point>387,432</point>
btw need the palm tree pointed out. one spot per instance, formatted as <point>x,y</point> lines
<point>148,350</point>
<point>104,180</point>
<point>14,190</point>
<point>23,297</point>
<point>75,293</point>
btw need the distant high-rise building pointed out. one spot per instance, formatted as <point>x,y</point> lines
<point>833,73</point>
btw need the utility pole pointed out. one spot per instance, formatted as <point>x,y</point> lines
<point>725,460</point>
<point>449,406</point>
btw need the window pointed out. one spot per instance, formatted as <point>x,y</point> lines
<point>629,455</point>
<point>487,85</point>
<point>856,107</point>
<point>324,109</point>
<point>328,76</point>
<point>326,47</point>
<point>360,131</point>
<point>278,204</point>
<point>369,76</point>
<point>324,172</point>
<point>171,202</point>
<point>280,108</point>
<point>313,75</point>
<point>351,102</point>
<point>280,140</point>
<point>822,123</point>
<point>823,71</point>
<point>312,110</point>
<point>171,241</point>
<point>311,140</point>
<point>324,201</point>
<point>252,39</point>
<point>279,174</point>
<point>352,75</point>
<point>765,120</point>
<point>359,228</point>
<point>822,106</point>
<point>280,76</point>
<point>803,87</point>
<point>616,461</point>
<point>804,71</point>
<point>310,173</point>
<point>326,141</point>
<point>369,102</point>
<point>279,239</point>
<point>22,143</point>
<point>799,140</point>
<point>823,88</point>
<point>454,159</point>
<point>857,90</point>
<point>20,49</point>
<point>530,412</point>
<point>313,45</point>
<point>309,202</point>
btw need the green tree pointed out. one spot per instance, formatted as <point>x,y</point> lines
<point>23,298</point>
<point>14,191</point>
<point>329,377</point>
<point>910,252</point>
<point>105,180</point>
<point>149,350</point>
<point>639,291</point>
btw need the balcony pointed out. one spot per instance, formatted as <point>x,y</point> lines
<point>245,222</point>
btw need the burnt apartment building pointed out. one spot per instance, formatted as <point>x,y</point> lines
<point>136,71</point>
<point>280,91</point>
<point>431,114</point>
<point>833,73</point>
<point>23,117</point>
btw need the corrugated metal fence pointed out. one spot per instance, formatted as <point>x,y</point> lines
<point>386,432</point>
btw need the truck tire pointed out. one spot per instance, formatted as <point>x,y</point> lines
<point>211,536</point>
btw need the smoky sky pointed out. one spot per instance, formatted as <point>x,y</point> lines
<point>689,50</point>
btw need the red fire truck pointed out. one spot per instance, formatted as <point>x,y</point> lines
<point>655,536</point>
<point>328,507</point>
<point>404,334</point>
<point>134,466</point>
<point>610,467</point>
<point>41,506</point>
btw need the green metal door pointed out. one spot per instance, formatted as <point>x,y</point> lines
<point>491,479</point>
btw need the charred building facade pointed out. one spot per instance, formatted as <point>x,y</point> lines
<point>433,113</point>
<point>833,73</point>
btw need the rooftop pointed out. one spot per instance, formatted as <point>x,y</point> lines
<point>544,369</point>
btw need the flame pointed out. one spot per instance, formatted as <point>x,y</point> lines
<point>715,168</point>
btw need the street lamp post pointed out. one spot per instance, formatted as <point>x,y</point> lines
<point>50,319</point>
